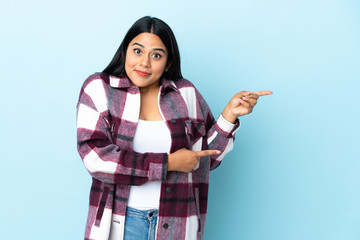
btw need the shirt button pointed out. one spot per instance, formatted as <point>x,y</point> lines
<point>165,225</point>
<point>168,190</point>
<point>173,120</point>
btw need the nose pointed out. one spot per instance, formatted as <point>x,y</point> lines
<point>145,61</point>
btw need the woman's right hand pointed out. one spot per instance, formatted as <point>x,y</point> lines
<point>184,160</point>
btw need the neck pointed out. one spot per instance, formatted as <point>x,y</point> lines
<point>150,89</point>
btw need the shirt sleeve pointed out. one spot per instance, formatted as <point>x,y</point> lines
<point>103,159</point>
<point>220,133</point>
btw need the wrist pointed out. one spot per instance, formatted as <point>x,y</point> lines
<point>228,116</point>
<point>169,163</point>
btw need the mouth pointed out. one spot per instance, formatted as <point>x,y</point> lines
<point>141,73</point>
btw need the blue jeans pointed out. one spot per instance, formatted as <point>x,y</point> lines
<point>140,225</point>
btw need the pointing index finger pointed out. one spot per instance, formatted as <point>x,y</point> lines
<point>207,153</point>
<point>263,93</point>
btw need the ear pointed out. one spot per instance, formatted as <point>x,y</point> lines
<point>168,65</point>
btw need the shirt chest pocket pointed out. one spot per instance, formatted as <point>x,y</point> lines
<point>195,130</point>
<point>122,133</point>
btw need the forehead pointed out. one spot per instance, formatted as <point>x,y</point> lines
<point>148,40</point>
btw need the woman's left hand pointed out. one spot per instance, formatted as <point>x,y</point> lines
<point>241,104</point>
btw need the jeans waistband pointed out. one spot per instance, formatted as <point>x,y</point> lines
<point>142,213</point>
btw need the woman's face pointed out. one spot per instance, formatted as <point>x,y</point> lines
<point>145,60</point>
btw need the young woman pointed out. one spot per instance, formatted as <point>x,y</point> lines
<point>149,140</point>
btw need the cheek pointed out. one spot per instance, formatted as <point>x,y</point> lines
<point>160,67</point>
<point>129,58</point>
<point>129,65</point>
<point>128,61</point>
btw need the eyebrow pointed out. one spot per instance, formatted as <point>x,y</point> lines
<point>154,49</point>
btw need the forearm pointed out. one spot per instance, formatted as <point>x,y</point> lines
<point>112,165</point>
<point>221,137</point>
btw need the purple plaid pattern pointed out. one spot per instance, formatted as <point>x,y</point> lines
<point>108,111</point>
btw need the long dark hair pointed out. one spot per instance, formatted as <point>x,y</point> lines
<point>148,25</point>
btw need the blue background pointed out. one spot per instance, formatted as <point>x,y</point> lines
<point>294,170</point>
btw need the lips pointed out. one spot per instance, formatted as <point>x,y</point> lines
<point>141,73</point>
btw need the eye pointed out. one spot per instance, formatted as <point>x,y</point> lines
<point>156,55</point>
<point>137,51</point>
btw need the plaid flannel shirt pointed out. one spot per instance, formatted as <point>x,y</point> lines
<point>107,116</point>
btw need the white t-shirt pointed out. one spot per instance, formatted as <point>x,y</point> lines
<point>150,136</point>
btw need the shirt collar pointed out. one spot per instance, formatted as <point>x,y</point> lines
<point>117,82</point>
<point>167,84</point>
<point>124,82</point>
